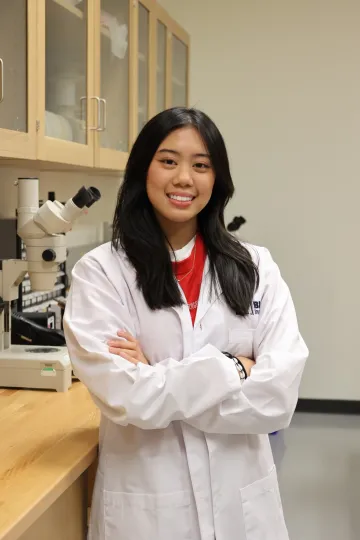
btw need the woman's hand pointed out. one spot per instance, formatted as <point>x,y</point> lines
<point>247,363</point>
<point>128,348</point>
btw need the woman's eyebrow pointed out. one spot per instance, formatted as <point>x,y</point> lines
<point>169,151</point>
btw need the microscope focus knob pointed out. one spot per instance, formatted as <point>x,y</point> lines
<point>49,255</point>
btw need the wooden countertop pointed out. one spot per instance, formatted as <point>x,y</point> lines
<point>47,440</point>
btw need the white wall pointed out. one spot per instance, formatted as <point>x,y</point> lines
<point>281,78</point>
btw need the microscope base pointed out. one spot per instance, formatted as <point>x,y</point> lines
<point>30,366</point>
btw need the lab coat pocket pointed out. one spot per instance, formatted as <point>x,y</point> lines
<point>130,516</point>
<point>241,342</point>
<point>262,510</point>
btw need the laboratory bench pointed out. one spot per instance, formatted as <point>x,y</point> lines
<point>48,454</point>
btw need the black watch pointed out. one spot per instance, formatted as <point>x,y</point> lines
<point>238,364</point>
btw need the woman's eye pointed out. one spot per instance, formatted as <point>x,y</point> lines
<point>202,166</point>
<point>168,162</point>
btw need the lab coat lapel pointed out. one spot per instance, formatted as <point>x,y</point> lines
<point>183,313</point>
<point>208,294</point>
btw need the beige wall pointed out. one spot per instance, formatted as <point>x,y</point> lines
<point>281,78</point>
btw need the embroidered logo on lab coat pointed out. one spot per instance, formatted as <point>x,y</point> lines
<point>255,309</point>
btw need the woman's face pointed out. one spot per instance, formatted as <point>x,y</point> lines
<point>180,178</point>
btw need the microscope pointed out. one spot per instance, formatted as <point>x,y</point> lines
<point>43,231</point>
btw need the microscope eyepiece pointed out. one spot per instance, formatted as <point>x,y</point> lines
<point>95,196</point>
<point>86,197</point>
<point>82,198</point>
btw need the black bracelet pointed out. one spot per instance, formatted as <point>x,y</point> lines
<point>237,363</point>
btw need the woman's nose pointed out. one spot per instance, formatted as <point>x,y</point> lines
<point>184,177</point>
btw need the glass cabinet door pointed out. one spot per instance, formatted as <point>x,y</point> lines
<point>13,65</point>
<point>179,72</point>
<point>114,69</point>
<point>143,59</point>
<point>66,70</point>
<point>161,67</point>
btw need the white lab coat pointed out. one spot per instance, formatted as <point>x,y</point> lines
<point>184,446</point>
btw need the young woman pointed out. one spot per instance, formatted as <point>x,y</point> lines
<point>189,344</point>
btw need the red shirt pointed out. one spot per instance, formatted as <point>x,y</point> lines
<point>189,273</point>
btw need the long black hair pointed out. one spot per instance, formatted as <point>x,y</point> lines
<point>137,231</point>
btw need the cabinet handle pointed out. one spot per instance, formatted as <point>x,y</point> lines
<point>97,99</point>
<point>1,80</point>
<point>102,126</point>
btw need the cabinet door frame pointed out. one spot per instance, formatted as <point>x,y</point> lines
<point>154,59</point>
<point>173,29</point>
<point>17,144</point>
<point>56,150</point>
<point>152,63</point>
<point>107,158</point>
<point>150,5</point>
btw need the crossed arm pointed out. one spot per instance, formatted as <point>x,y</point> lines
<point>204,389</point>
<point>129,348</point>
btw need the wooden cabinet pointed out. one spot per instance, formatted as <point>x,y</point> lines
<point>114,20</point>
<point>65,519</point>
<point>66,109</point>
<point>80,78</point>
<point>179,72</point>
<point>18,79</point>
<point>48,461</point>
<point>161,47</point>
<point>172,67</point>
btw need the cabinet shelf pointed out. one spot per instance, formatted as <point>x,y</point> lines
<point>71,9</point>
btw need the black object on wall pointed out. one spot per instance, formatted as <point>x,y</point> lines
<point>236,223</point>
<point>328,406</point>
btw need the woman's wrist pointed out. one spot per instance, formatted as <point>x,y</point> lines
<point>238,364</point>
